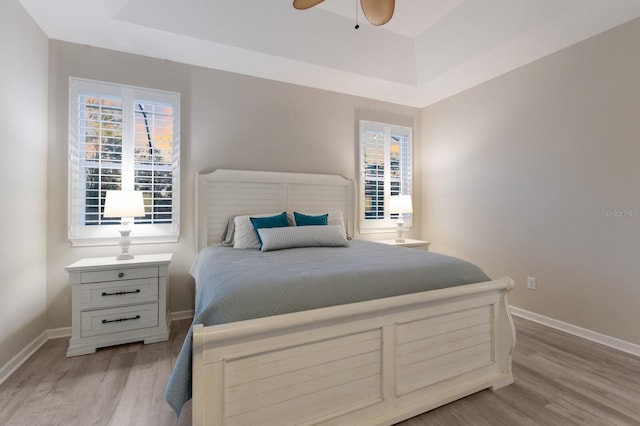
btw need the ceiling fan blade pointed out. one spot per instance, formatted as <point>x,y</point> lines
<point>378,12</point>
<point>305,4</point>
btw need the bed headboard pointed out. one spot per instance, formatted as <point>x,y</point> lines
<point>225,193</point>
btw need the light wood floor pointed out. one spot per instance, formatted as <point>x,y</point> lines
<point>560,380</point>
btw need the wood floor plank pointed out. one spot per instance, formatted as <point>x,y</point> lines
<point>559,380</point>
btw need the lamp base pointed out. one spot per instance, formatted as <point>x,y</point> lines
<point>400,231</point>
<point>125,242</point>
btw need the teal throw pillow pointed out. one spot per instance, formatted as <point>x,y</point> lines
<point>307,220</point>
<point>277,221</point>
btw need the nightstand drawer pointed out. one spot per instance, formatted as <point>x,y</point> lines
<point>105,321</point>
<point>118,293</point>
<point>118,274</point>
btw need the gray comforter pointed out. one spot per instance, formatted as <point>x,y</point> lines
<point>235,285</point>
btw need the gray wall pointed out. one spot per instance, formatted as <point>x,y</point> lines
<point>228,121</point>
<point>23,166</point>
<point>520,173</point>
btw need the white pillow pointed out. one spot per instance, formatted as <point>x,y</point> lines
<point>302,236</point>
<point>244,236</point>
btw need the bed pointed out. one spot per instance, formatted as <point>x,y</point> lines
<point>372,349</point>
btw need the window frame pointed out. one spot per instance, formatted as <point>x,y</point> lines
<point>389,222</point>
<point>81,234</point>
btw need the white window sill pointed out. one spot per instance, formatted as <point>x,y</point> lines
<point>385,230</point>
<point>113,241</point>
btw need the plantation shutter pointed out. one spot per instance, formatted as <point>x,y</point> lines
<point>373,169</point>
<point>153,162</point>
<point>100,152</point>
<point>122,137</point>
<point>385,170</point>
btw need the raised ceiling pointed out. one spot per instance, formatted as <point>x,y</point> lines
<point>430,50</point>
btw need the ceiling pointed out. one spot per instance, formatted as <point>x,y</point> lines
<point>430,50</point>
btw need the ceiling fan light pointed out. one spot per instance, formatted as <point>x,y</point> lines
<point>305,4</point>
<point>378,12</point>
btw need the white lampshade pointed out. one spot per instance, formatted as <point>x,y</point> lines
<point>400,204</point>
<point>124,204</point>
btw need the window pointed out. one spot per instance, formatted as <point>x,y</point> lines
<point>123,137</point>
<point>385,170</point>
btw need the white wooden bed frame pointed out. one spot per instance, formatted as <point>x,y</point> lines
<point>370,363</point>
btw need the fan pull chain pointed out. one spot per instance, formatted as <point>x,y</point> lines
<point>357,25</point>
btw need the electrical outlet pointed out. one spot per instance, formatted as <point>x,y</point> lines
<point>531,283</point>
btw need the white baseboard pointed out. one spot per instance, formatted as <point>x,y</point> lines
<point>21,357</point>
<point>57,333</point>
<point>14,363</point>
<point>594,336</point>
<point>181,315</point>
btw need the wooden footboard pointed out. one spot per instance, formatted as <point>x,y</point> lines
<point>371,363</point>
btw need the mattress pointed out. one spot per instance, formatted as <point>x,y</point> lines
<point>235,285</point>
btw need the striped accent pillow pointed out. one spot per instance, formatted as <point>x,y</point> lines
<point>302,236</point>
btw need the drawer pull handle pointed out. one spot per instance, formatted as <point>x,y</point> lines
<point>120,274</point>
<point>120,293</point>
<point>121,319</point>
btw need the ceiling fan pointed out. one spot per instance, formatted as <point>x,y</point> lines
<point>378,12</point>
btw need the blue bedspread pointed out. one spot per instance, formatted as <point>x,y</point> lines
<point>234,285</point>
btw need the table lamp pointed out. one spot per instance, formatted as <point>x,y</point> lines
<point>400,204</point>
<point>125,205</point>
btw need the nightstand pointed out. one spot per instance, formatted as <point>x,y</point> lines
<point>118,301</point>
<point>418,244</point>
